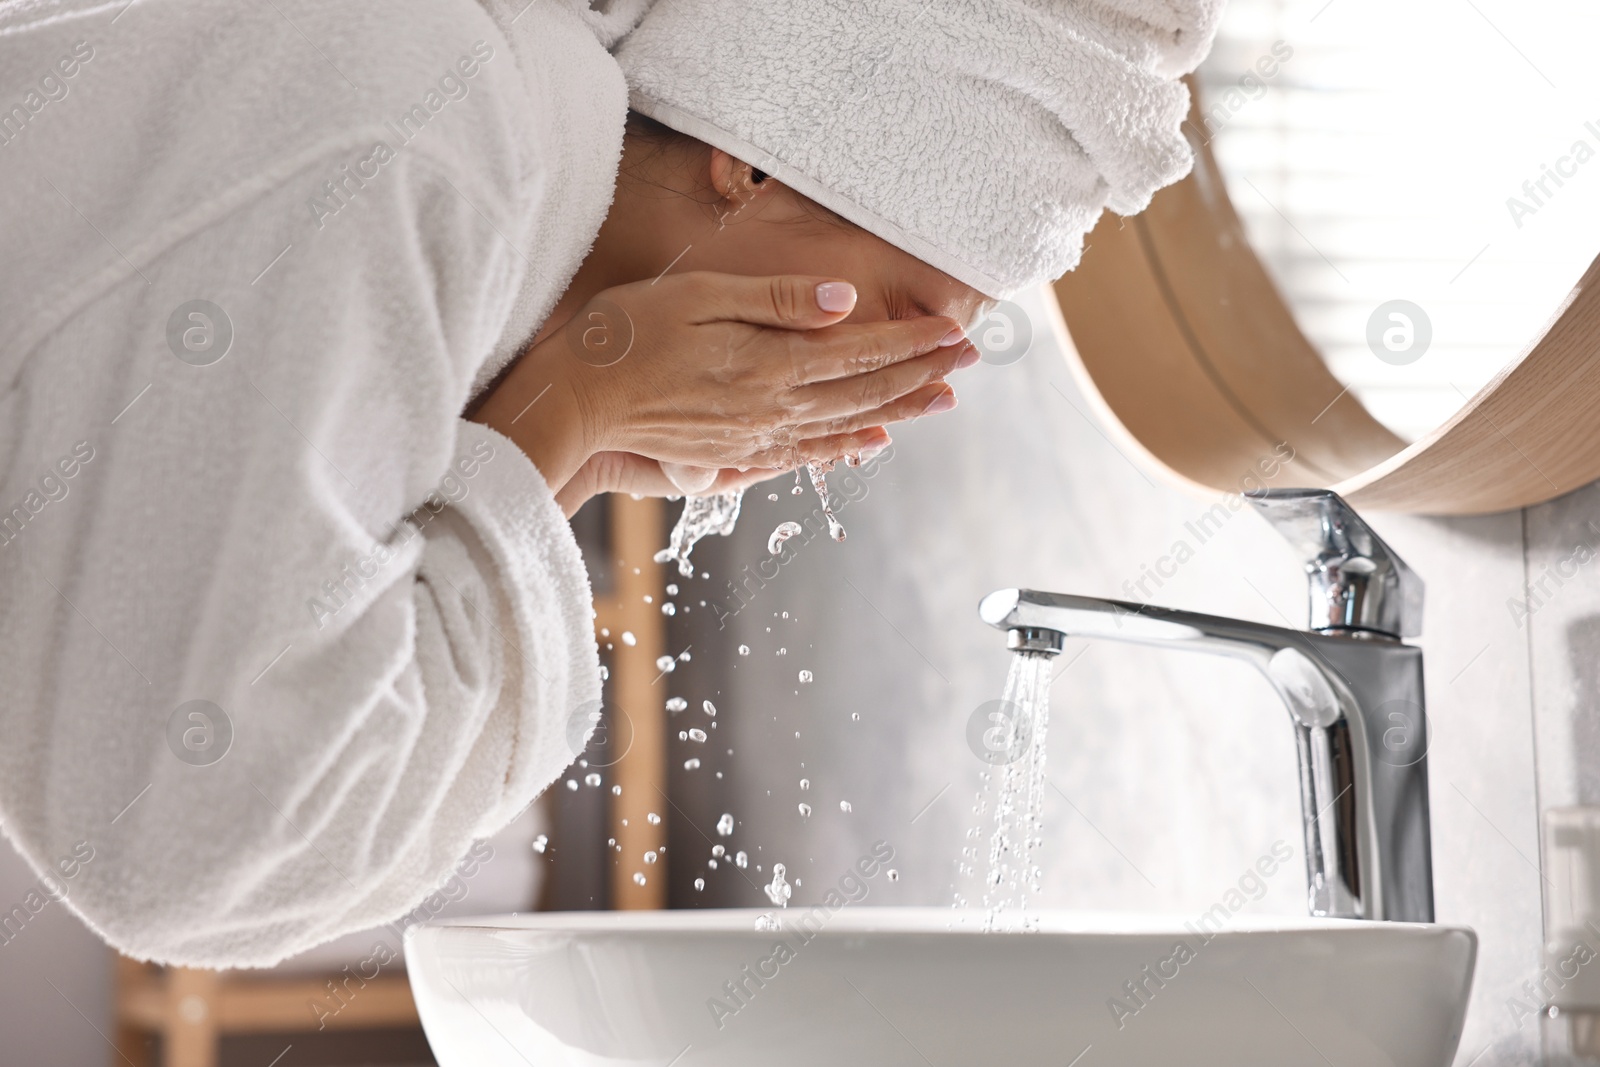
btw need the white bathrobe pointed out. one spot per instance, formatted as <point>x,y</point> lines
<point>177,527</point>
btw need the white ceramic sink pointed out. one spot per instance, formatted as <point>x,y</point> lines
<point>898,986</point>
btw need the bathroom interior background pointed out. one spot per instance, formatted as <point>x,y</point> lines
<point>1171,774</point>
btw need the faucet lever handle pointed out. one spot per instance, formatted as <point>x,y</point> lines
<point>1357,581</point>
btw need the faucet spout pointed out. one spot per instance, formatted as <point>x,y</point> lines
<point>1355,701</point>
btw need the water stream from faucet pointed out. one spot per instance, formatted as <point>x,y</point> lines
<point>1016,743</point>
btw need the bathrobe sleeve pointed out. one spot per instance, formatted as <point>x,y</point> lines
<point>272,707</point>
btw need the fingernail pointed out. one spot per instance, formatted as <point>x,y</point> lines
<point>871,451</point>
<point>968,358</point>
<point>836,296</point>
<point>955,336</point>
<point>943,402</point>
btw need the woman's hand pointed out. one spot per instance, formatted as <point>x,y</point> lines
<point>722,371</point>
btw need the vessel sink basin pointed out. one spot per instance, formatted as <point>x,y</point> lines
<point>927,988</point>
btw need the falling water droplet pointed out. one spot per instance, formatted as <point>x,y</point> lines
<point>844,806</point>
<point>805,677</point>
<point>572,783</point>
<point>744,650</point>
<point>653,819</point>
<point>669,609</point>
<point>697,735</point>
<point>649,857</point>
<point>780,534</point>
<point>805,811</point>
<point>616,790</point>
<point>772,496</point>
<point>725,824</point>
<point>672,589</point>
<point>628,638</point>
<point>666,664</point>
<point>718,851</point>
<point>638,878</point>
<point>709,708</point>
<point>805,783</point>
<point>741,859</point>
<point>591,778</point>
<point>691,765</point>
<point>676,704</point>
<point>699,885</point>
<point>541,843</point>
<point>894,875</point>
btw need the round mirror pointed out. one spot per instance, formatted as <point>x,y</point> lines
<point>1381,275</point>
<point>1420,181</point>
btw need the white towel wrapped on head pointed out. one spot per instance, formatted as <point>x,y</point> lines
<point>985,139</point>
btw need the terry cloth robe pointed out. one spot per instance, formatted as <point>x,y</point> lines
<point>281,634</point>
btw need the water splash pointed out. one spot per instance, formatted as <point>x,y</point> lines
<point>819,482</point>
<point>702,516</point>
<point>1013,872</point>
<point>779,891</point>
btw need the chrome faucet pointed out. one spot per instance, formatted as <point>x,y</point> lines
<point>1352,687</point>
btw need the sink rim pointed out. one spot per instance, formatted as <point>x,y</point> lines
<point>861,920</point>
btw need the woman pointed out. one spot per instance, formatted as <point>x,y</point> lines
<point>322,318</point>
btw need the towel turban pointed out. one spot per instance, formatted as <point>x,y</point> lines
<point>984,137</point>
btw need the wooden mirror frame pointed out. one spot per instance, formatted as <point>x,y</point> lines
<point>1183,342</point>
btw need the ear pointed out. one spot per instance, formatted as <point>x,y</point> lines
<point>736,182</point>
